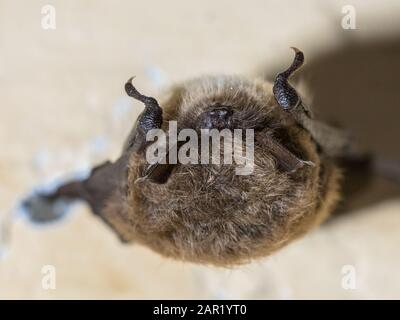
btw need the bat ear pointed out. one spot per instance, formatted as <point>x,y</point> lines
<point>284,93</point>
<point>150,118</point>
<point>285,159</point>
<point>157,173</point>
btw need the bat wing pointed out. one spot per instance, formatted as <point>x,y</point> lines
<point>105,185</point>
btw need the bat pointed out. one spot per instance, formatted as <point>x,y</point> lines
<point>206,213</point>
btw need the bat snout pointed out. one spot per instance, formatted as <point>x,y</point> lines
<point>217,118</point>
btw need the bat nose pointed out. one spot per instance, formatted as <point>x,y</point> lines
<point>218,118</point>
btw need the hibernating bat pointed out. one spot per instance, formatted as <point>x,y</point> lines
<point>206,213</point>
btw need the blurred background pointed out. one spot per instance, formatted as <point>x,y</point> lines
<point>63,109</point>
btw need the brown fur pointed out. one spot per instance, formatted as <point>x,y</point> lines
<point>207,213</point>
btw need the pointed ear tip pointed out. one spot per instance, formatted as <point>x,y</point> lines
<point>139,180</point>
<point>308,163</point>
<point>130,89</point>
<point>129,82</point>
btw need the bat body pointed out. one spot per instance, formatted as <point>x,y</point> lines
<point>206,213</point>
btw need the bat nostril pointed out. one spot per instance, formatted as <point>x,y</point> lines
<point>218,118</point>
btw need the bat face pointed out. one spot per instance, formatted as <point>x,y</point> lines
<point>208,213</point>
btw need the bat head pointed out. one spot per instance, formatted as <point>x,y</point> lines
<point>207,212</point>
<point>219,172</point>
